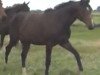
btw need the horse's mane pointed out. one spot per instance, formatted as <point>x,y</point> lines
<point>70,3</point>
<point>63,5</point>
<point>59,6</point>
<point>12,7</point>
<point>16,5</point>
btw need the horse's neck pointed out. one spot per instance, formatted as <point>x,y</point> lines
<point>65,17</point>
<point>10,15</point>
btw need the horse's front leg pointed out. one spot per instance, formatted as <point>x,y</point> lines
<point>70,48</point>
<point>25,49</point>
<point>48,58</point>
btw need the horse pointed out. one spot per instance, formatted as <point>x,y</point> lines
<point>49,29</point>
<point>11,11</point>
<point>2,12</point>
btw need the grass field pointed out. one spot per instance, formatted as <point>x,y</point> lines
<point>63,62</point>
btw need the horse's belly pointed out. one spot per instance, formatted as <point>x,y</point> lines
<point>40,40</point>
<point>33,39</point>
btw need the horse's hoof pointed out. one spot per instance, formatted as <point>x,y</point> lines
<point>79,73</point>
<point>24,71</point>
<point>4,69</point>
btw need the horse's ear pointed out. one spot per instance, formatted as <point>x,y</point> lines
<point>85,2</point>
<point>24,3</point>
<point>28,2</point>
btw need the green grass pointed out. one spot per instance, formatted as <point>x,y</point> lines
<point>86,42</point>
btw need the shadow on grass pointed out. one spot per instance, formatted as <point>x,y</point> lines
<point>38,72</point>
<point>67,72</point>
<point>7,70</point>
<point>62,72</point>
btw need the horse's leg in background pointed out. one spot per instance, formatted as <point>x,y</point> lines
<point>69,47</point>
<point>8,49</point>
<point>48,58</point>
<point>25,49</point>
<point>2,40</point>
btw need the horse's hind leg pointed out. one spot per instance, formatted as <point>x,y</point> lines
<point>69,47</point>
<point>48,58</point>
<point>25,49</point>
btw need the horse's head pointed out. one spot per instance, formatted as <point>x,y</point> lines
<point>2,12</point>
<point>21,7</point>
<point>84,13</point>
<point>25,6</point>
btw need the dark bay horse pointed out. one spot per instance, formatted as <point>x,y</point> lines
<point>11,12</point>
<point>49,28</point>
<point>2,12</point>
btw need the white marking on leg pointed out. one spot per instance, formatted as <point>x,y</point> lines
<point>3,48</point>
<point>24,71</point>
<point>92,22</point>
